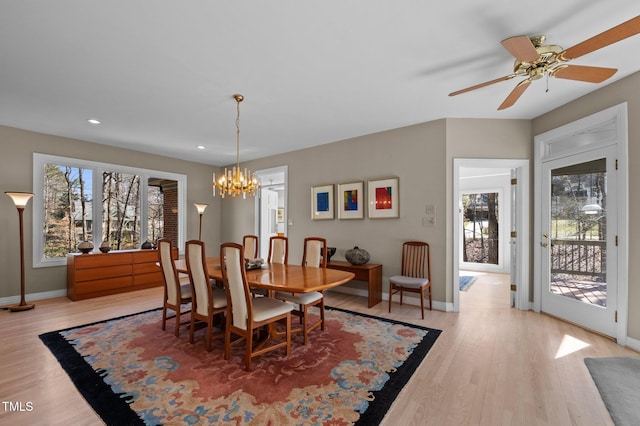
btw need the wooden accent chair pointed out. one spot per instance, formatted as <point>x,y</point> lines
<point>278,250</point>
<point>250,244</point>
<point>177,288</point>
<point>314,255</point>
<point>246,314</point>
<point>416,258</point>
<point>208,301</point>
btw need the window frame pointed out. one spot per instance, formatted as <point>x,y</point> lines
<point>39,161</point>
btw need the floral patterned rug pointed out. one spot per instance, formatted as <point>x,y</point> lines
<point>132,372</point>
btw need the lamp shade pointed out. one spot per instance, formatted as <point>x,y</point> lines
<point>200,207</point>
<point>20,199</point>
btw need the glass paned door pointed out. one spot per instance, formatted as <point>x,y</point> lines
<point>578,241</point>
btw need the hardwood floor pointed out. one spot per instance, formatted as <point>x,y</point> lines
<point>492,365</point>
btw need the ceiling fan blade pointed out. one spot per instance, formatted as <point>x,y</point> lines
<point>610,36</point>
<point>515,94</point>
<point>583,73</point>
<point>521,48</point>
<point>486,83</point>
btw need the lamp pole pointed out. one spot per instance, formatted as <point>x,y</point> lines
<point>21,199</point>
<point>200,208</point>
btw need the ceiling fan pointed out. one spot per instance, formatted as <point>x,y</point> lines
<point>534,60</point>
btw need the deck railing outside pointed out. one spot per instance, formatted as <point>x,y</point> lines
<point>579,257</point>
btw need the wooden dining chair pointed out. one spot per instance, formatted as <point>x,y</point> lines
<point>278,250</point>
<point>177,287</point>
<point>314,255</point>
<point>207,301</point>
<point>250,244</point>
<point>246,314</point>
<point>416,273</point>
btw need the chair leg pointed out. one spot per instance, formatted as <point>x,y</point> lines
<point>177,330</point>
<point>247,357</point>
<point>390,295</point>
<point>422,303</point>
<point>401,293</point>
<point>209,331</point>
<point>322,314</point>
<point>288,333</point>
<point>164,317</point>
<point>227,340</point>
<point>304,324</point>
<point>191,328</point>
<point>430,302</point>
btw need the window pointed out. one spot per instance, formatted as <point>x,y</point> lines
<point>77,200</point>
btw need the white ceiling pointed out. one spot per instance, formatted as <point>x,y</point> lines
<point>160,74</point>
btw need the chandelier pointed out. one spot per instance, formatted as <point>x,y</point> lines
<point>236,181</point>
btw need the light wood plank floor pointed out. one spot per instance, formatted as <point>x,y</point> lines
<point>492,365</point>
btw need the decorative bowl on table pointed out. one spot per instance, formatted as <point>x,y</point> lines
<point>330,252</point>
<point>85,247</point>
<point>105,246</point>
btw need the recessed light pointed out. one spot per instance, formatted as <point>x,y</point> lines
<point>93,121</point>
<point>201,147</point>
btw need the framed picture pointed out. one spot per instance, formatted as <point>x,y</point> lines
<point>350,200</point>
<point>280,218</point>
<point>384,199</point>
<point>322,202</point>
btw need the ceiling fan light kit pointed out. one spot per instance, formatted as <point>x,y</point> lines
<point>534,60</point>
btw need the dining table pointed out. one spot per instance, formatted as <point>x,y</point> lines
<point>279,277</point>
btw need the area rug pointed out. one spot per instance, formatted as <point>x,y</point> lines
<point>466,281</point>
<point>618,381</point>
<point>131,372</point>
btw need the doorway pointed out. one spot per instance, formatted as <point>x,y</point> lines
<point>508,182</point>
<point>271,206</point>
<point>581,191</point>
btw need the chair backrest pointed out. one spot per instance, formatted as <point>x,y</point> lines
<point>278,250</point>
<point>169,272</point>
<point>202,295</point>
<point>250,244</point>
<point>236,287</point>
<point>315,252</point>
<point>416,259</point>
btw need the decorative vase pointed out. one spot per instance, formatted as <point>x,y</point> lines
<point>357,256</point>
<point>147,245</point>
<point>85,247</point>
<point>105,246</point>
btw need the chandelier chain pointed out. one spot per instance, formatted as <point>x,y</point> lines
<point>236,181</point>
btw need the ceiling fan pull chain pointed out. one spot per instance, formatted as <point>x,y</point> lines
<point>547,91</point>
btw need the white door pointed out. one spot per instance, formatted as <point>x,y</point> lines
<point>268,217</point>
<point>578,253</point>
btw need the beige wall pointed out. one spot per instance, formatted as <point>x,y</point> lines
<point>421,156</point>
<point>625,90</point>
<point>16,174</point>
<point>415,154</point>
<point>479,138</point>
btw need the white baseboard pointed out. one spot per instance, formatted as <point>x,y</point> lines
<point>14,300</point>
<point>633,344</point>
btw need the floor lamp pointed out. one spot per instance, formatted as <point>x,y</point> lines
<point>200,208</point>
<point>20,199</point>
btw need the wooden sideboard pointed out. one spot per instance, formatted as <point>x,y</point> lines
<point>369,272</point>
<point>101,274</point>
